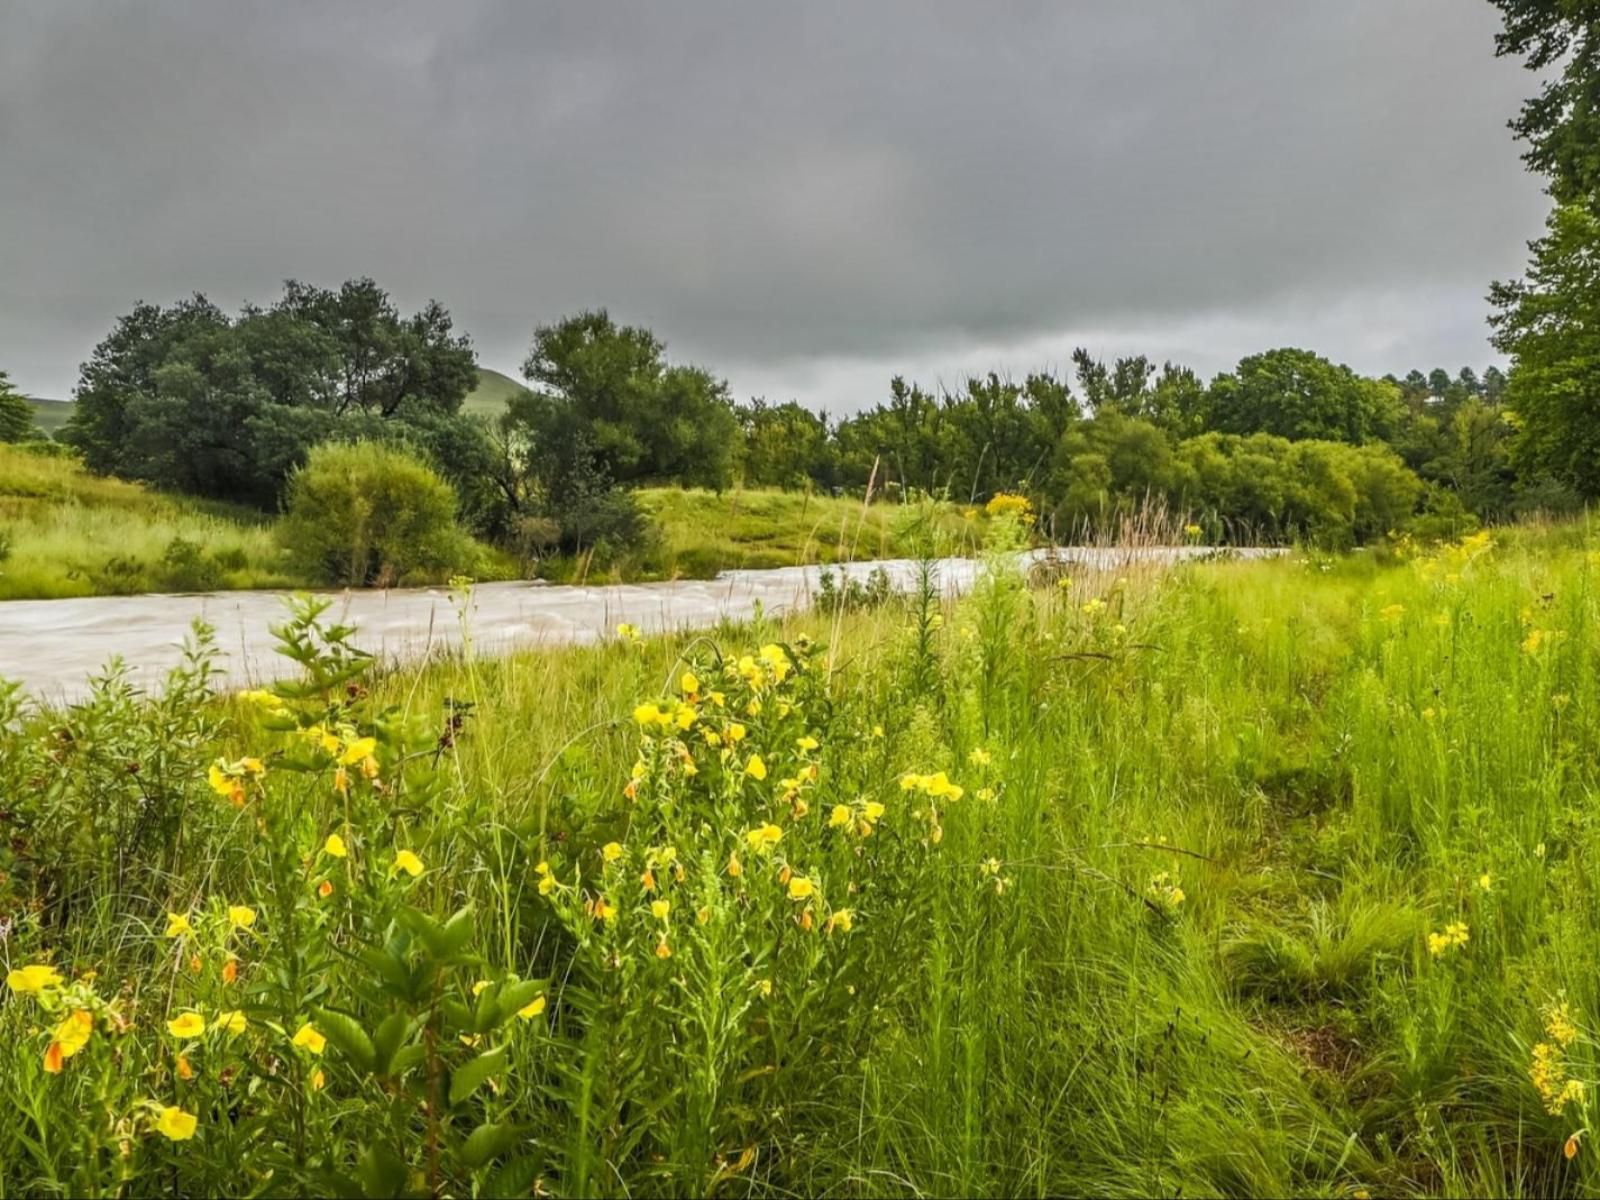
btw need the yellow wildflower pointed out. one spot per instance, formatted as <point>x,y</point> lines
<point>408,862</point>
<point>233,1021</point>
<point>807,744</point>
<point>842,919</point>
<point>357,750</point>
<point>187,1025</point>
<point>178,925</point>
<point>764,837</point>
<point>689,684</point>
<point>840,817</point>
<point>736,732</point>
<point>241,916</point>
<point>801,888</point>
<point>531,1009</point>
<point>176,1125</point>
<point>755,768</point>
<point>611,851</point>
<point>660,908</point>
<point>979,757</point>
<point>307,1038</point>
<point>73,1033</point>
<point>334,847</point>
<point>28,980</point>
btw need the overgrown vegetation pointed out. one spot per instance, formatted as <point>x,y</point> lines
<point>1260,879</point>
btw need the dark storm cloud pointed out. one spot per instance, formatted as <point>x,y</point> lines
<point>804,196</point>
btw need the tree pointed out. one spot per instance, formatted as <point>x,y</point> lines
<point>16,414</point>
<point>1296,394</point>
<point>1549,323</point>
<point>1562,124</point>
<point>644,420</point>
<point>188,398</point>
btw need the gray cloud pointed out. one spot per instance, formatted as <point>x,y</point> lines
<point>804,197</point>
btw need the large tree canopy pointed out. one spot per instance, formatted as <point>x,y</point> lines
<point>188,398</point>
<point>1296,394</point>
<point>643,420</point>
<point>1550,323</point>
<point>1561,40</point>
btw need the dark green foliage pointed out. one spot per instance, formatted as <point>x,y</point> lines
<point>16,414</point>
<point>645,421</point>
<point>1550,323</point>
<point>366,514</point>
<point>1560,39</point>
<point>1296,394</point>
<point>187,398</point>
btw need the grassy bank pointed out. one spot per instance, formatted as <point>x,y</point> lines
<point>1249,879</point>
<point>70,533</point>
<point>699,533</point>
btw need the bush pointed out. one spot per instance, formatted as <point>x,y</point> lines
<point>186,567</point>
<point>364,514</point>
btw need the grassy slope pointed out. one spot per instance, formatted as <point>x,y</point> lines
<point>74,534</point>
<point>1327,761</point>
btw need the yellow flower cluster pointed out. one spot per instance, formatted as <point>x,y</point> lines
<point>1009,504</point>
<point>1548,1072</point>
<point>1164,892</point>
<point>1453,938</point>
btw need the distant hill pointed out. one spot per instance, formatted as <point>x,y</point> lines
<point>493,390</point>
<point>50,414</point>
<point>489,399</point>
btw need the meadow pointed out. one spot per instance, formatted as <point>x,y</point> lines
<point>1248,879</point>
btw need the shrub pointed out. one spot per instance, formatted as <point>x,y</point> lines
<point>186,567</point>
<point>362,514</point>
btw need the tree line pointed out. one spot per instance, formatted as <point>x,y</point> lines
<point>1286,445</point>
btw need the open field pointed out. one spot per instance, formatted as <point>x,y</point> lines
<point>1250,879</point>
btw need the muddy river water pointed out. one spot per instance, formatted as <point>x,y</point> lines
<point>54,646</point>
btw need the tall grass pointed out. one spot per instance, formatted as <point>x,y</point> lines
<point>1185,930</point>
<point>70,533</point>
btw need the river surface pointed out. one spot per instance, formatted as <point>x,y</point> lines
<point>54,646</point>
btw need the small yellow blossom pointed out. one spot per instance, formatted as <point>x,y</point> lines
<point>408,862</point>
<point>660,908</point>
<point>839,817</point>
<point>178,925</point>
<point>233,1021</point>
<point>73,1033</point>
<point>611,851</point>
<point>755,768</point>
<point>187,1025</point>
<point>801,888</point>
<point>175,1125</point>
<point>532,1009</point>
<point>307,1038</point>
<point>334,847</point>
<point>241,916</point>
<point>689,684</point>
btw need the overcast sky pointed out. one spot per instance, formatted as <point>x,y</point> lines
<point>806,198</point>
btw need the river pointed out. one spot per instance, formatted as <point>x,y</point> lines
<point>53,647</point>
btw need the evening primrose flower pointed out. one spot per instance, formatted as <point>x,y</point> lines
<point>408,862</point>
<point>187,1025</point>
<point>840,817</point>
<point>233,1021</point>
<point>33,979</point>
<point>72,1034</point>
<point>736,732</point>
<point>842,919</point>
<point>807,744</point>
<point>532,1009</point>
<point>307,1038</point>
<point>611,851</point>
<point>176,1125</point>
<point>764,837</point>
<point>358,751</point>
<point>801,888</point>
<point>755,768</point>
<point>334,847</point>
<point>241,916</point>
<point>178,925</point>
<point>689,684</point>
<point>660,908</point>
